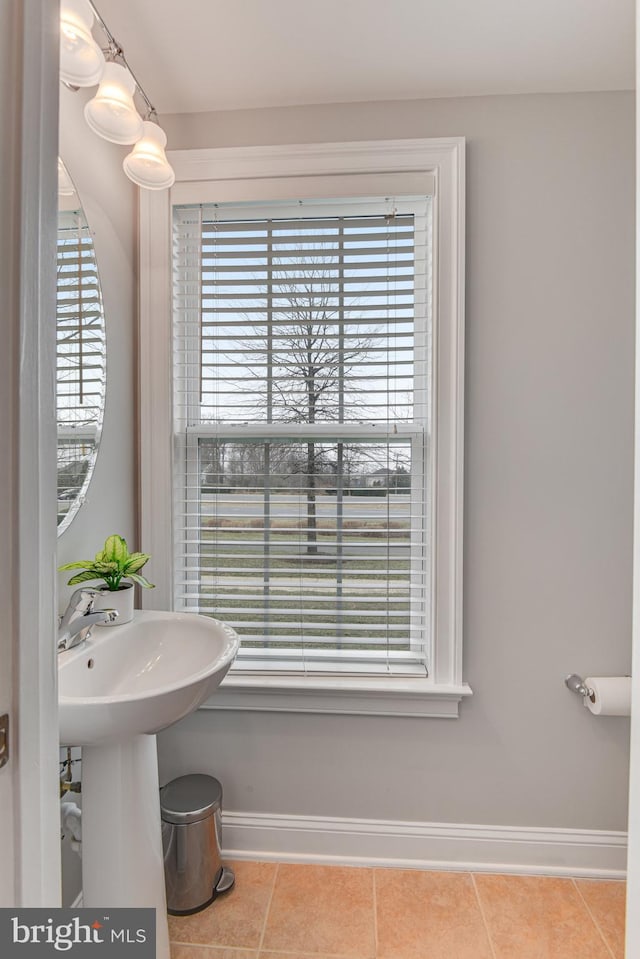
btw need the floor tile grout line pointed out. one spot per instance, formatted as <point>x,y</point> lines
<point>270,953</point>
<point>268,909</point>
<point>375,914</point>
<point>205,945</point>
<point>483,916</point>
<point>295,954</point>
<point>593,918</point>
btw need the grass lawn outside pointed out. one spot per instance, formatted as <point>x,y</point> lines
<point>353,593</point>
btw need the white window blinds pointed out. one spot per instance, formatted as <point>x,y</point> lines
<point>80,373</point>
<point>302,348</point>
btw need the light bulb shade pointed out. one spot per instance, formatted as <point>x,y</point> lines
<point>65,186</point>
<point>147,164</point>
<point>81,59</point>
<point>112,113</point>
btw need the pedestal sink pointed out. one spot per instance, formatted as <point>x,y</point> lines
<point>116,690</point>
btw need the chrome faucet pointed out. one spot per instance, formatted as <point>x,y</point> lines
<point>75,623</point>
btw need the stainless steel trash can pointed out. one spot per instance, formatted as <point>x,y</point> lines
<point>191,809</point>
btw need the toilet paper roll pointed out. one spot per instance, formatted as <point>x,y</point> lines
<point>611,695</point>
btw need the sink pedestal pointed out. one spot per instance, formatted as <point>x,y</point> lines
<point>116,690</point>
<point>122,861</point>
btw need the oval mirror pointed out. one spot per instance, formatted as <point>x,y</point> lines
<point>81,352</point>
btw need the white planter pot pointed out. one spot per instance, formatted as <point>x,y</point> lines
<point>120,599</point>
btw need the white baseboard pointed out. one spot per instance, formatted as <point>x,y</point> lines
<point>446,846</point>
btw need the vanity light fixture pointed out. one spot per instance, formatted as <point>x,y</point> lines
<point>81,59</point>
<point>112,112</point>
<point>147,164</point>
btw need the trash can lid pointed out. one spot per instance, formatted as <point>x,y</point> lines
<point>190,798</point>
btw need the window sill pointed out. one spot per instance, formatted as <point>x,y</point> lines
<point>368,696</point>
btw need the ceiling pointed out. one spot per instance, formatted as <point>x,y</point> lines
<point>199,55</point>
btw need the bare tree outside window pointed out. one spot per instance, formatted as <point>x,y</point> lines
<point>306,360</point>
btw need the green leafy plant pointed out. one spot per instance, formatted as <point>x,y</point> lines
<point>111,564</point>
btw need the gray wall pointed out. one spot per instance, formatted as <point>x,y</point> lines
<point>548,498</point>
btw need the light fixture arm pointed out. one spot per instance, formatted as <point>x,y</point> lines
<point>115,52</point>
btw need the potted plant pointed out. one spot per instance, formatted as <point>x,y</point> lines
<point>119,569</point>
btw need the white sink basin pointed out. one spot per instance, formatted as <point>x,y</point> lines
<point>140,677</point>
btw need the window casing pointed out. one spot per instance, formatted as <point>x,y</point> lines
<point>272,174</point>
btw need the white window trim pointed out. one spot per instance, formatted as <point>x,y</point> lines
<point>203,176</point>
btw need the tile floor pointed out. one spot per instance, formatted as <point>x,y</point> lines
<point>280,911</point>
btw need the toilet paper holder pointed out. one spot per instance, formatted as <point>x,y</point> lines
<point>577,685</point>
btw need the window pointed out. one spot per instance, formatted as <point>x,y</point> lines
<point>310,449</point>
<point>302,359</point>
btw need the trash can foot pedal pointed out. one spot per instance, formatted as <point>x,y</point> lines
<point>226,880</point>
